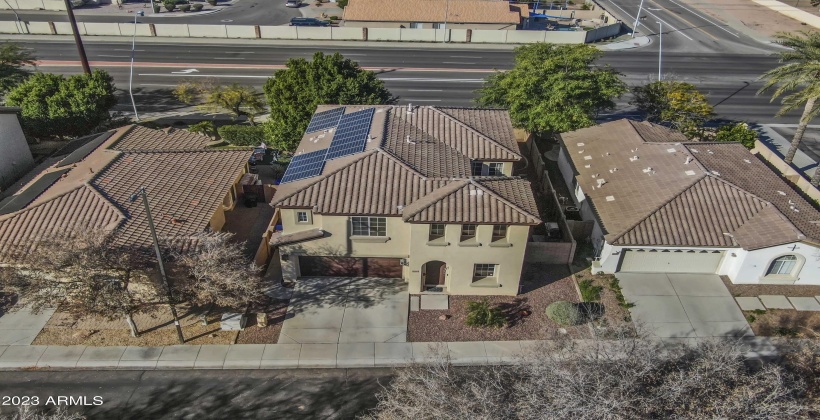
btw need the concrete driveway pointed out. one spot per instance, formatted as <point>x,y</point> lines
<point>683,305</point>
<point>21,325</point>
<point>347,310</point>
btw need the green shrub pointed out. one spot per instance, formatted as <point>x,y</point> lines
<point>157,8</point>
<point>185,7</point>
<point>170,5</point>
<point>242,135</point>
<point>197,6</point>
<point>739,132</point>
<point>212,2</point>
<point>590,292</point>
<point>585,7</point>
<point>341,3</point>
<point>565,313</point>
<point>786,332</point>
<point>615,286</point>
<point>482,313</point>
<point>334,18</point>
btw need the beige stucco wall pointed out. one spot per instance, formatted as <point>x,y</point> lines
<point>15,155</point>
<point>429,25</point>
<point>410,241</point>
<point>218,220</point>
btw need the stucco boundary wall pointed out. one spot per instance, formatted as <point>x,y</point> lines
<point>548,252</point>
<point>476,36</point>
<point>56,5</point>
<point>788,171</point>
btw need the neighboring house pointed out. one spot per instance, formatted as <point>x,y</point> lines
<point>434,14</point>
<point>425,194</point>
<point>15,154</point>
<point>664,204</point>
<point>189,189</point>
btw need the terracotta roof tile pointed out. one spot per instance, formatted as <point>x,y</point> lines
<point>142,138</point>
<point>458,11</point>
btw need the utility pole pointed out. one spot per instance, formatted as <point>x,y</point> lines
<point>446,13</point>
<point>635,26</point>
<point>169,295</point>
<point>77,39</point>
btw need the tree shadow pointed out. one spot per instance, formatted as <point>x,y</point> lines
<point>516,311</point>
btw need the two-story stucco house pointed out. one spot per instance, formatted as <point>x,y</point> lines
<point>664,204</point>
<point>426,194</point>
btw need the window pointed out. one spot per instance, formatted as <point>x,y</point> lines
<point>467,231</point>
<point>484,270</point>
<point>437,26</point>
<point>476,167</point>
<point>495,169</point>
<point>369,226</point>
<point>499,232</point>
<point>436,231</point>
<point>416,25</point>
<point>302,217</point>
<point>782,266</point>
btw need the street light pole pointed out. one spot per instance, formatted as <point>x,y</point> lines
<point>635,26</point>
<point>131,75</point>
<point>446,15</point>
<point>77,39</point>
<point>169,295</point>
<point>660,49</point>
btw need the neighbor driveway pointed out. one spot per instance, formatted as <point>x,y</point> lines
<point>347,310</point>
<point>683,305</point>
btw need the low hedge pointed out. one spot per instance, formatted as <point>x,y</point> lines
<point>565,313</point>
<point>242,135</point>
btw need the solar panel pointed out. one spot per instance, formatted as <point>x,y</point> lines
<point>88,145</point>
<point>325,119</point>
<point>305,165</point>
<point>22,199</point>
<point>351,134</point>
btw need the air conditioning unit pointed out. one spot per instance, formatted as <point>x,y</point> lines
<point>404,262</point>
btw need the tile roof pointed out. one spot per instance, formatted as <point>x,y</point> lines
<point>184,190</point>
<point>141,138</point>
<point>476,201</point>
<point>395,172</point>
<point>647,191</point>
<point>455,11</point>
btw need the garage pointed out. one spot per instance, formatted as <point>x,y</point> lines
<point>670,261</point>
<point>350,267</point>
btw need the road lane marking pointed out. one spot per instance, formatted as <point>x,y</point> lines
<point>241,76</point>
<point>114,56</point>
<point>424,90</point>
<point>463,56</point>
<point>695,26</point>
<point>632,18</point>
<point>228,58</point>
<point>422,79</point>
<point>421,100</point>
<point>704,18</point>
<point>126,51</point>
<point>677,31</point>
<point>226,66</point>
<point>454,62</point>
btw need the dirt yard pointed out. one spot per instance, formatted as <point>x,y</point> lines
<point>752,290</point>
<point>784,323</point>
<point>615,315</point>
<point>542,285</point>
<point>759,18</point>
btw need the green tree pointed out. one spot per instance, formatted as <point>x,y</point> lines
<point>294,92</point>
<point>553,88</point>
<point>739,132</point>
<point>55,106</point>
<point>206,128</point>
<point>239,100</point>
<point>343,3</point>
<point>678,104</point>
<point>12,59</point>
<point>799,80</point>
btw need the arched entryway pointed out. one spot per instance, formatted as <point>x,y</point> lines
<point>433,274</point>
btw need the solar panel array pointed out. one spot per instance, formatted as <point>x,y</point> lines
<point>325,119</point>
<point>305,165</point>
<point>351,134</point>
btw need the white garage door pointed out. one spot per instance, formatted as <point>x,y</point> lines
<point>657,261</point>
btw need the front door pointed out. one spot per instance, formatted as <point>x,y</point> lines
<point>434,273</point>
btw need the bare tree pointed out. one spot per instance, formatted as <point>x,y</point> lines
<point>624,378</point>
<point>84,272</point>
<point>217,272</point>
<point>29,412</point>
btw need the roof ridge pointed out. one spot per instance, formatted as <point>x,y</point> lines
<point>456,186</point>
<point>323,177</point>
<point>4,217</point>
<point>658,208</point>
<point>122,136</point>
<point>502,198</point>
<point>473,129</point>
<point>783,218</point>
<point>102,196</point>
<point>402,163</point>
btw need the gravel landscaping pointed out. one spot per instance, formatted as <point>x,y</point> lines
<point>615,314</point>
<point>542,285</point>
<point>738,290</point>
<point>254,334</point>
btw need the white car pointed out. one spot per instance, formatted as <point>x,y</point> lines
<point>293,3</point>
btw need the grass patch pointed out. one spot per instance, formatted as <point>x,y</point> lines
<point>590,292</point>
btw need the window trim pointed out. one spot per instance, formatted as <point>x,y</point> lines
<point>435,236</point>
<point>307,220</point>
<point>465,236</point>
<point>497,238</point>
<point>493,167</point>
<point>483,280</point>
<point>369,228</point>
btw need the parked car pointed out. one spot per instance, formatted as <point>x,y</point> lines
<point>303,21</point>
<point>293,3</point>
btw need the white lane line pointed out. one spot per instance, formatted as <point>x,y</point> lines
<point>241,76</point>
<point>704,18</point>
<point>631,18</point>
<point>425,90</point>
<point>420,79</point>
<point>677,31</point>
<point>114,56</point>
<point>156,84</point>
<point>421,100</point>
<point>130,50</point>
<point>464,56</point>
<point>228,58</point>
<point>455,62</point>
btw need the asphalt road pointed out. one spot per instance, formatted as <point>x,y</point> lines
<point>447,77</point>
<point>242,12</point>
<point>206,394</point>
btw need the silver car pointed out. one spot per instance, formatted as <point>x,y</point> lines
<point>293,3</point>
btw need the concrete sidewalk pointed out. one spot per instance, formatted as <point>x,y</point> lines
<point>285,356</point>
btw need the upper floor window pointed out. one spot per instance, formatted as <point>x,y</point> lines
<point>436,231</point>
<point>484,271</point>
<point>302,217</point>
<point>478,168</point>
<point>499,232</point>
<point>368,226</point>
<point>468,231</point>
<point>783,265</point>
<point>495,169</point>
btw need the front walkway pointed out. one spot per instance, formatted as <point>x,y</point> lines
<point>683,305</point>
<point>346,310</point>
<point>20,325</point>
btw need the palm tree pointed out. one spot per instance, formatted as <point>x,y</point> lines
<point>800,77</point>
